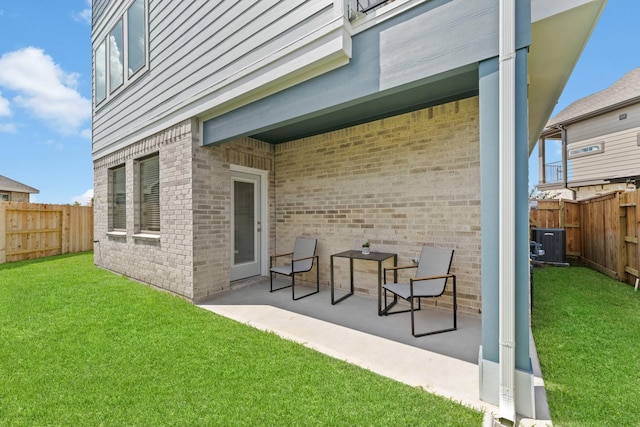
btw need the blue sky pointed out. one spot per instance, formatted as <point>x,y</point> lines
<point>45,97</point>
<point>45,89</point>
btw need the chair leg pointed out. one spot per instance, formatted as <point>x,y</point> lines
<point>293,294</point>
<point>387,307</point>
<point>455,320</point>
<point>271,284</point>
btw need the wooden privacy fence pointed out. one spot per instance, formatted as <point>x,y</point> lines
<point>602,231</point>
<point>29,230</point>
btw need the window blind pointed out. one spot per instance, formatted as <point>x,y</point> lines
<point>118,198</point>
<point>150,194</point>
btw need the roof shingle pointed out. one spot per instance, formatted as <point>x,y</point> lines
<point>623,90</point>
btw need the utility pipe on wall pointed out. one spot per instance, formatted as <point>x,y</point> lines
<point>507,141</point>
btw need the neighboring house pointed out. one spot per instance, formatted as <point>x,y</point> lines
<point>14,191</point>
<point>224,129</point>
<point>600,140</point>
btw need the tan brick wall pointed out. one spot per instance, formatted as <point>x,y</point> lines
<point>589,191</point>
<point>212,208</point>
<point>166,262</point>
<point>400,183</point>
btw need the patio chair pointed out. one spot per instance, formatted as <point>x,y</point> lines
<point>302,257</point>
<point>431,279</point>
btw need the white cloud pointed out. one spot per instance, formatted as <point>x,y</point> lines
<point>5,109</point>
<point>8,128</point>
<point>85,14</point>
<point>86,133</point>
<point>57,145</point>
<point>85,198</point>
<point>44,89</point>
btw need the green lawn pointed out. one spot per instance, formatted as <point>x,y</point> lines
<point>587,332</point>
<point>80,346</point>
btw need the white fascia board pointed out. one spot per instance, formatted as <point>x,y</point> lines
<point>559,33</point>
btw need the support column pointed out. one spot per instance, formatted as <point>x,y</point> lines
<point>489,357</point>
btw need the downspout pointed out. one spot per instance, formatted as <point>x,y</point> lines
<point>563,133</point>
<point>507,141</point>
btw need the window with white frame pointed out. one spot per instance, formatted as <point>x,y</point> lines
<point>4,197</point>
<point>118,183</point>
<point>124,48</point>
<point>586,151</point>
<point>149,203</point>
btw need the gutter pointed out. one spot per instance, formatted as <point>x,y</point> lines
<point>507,140</point>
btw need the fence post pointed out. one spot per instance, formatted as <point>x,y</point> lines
<point>623,205</point>
<point>637,230</point>
<point>3,232</point>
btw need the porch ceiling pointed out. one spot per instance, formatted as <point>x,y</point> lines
<point>448,87</point>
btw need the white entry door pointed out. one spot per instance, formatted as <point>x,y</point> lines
<point>246,225</point>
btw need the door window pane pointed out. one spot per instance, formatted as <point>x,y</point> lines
<point>244,220</point>
<point>150,194</point>
<point>135,36</point>
<point>116,57</point>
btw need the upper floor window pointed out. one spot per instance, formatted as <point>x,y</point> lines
<point>136,38</point>
<point>124,48</point>
<point>116,57</point>
<point>4,197</point>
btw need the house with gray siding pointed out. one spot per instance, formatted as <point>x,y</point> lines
<point>599,136</point>
<point>223,130</point>
<point>14,191</point>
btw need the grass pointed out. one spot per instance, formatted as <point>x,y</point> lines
<point>84,347</point>
<point>587,332</point>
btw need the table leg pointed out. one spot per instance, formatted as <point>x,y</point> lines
<point>331,263</point>
<point>379,288</point>
<point>333,300</point>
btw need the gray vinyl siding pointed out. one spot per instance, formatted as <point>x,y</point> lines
<point>98,9</point>
<point>621,156</point>
<point>604,124</point>
<point>204,50</point>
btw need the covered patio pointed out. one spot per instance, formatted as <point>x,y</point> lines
<point>445,364</point>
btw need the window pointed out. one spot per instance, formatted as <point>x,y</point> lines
<point>586,151</point>
<point>100,71</point>
<point>136,37</point>
<point>118,182</point>
<point>150,194</point>
<point>4,197</point>
<point>123,48</point>
<point>116,57</point>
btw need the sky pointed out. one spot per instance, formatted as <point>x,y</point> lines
<point>612,51</point>
<point>45,98</point>
<point>45,89</point>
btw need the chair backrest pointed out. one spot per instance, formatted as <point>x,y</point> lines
<point>304,247</point>
<point>434,262</point>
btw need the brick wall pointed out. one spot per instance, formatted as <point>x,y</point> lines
<point>165,261</point>
<point>212,208</point>
<point>400,182</point>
